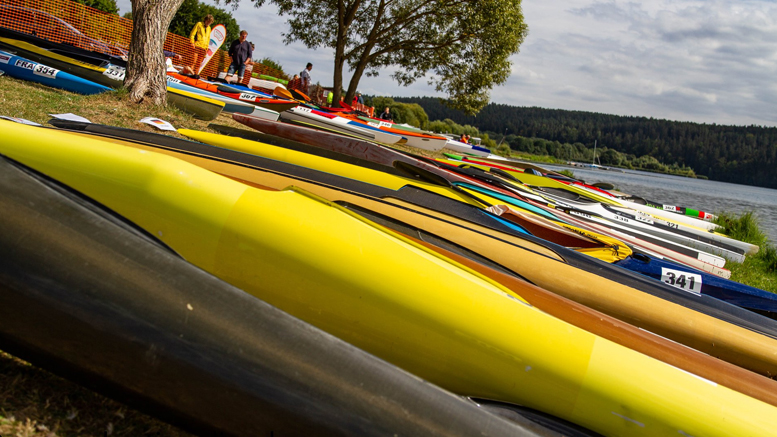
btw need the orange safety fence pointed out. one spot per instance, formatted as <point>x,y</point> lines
<point>65,21</point>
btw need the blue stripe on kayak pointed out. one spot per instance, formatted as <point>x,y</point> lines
<point>726,290</point>
<point>25,69</point>
<point>511,225</point>
<point>511,200</point>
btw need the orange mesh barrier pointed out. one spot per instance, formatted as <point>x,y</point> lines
<point>65,21</point>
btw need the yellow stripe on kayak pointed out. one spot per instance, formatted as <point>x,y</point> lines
<point>43,52</point>
<point>331,166</point>
<point>539,181</point>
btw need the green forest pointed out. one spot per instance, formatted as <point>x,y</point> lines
<point>738,154</point>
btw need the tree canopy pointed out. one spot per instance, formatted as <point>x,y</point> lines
<point>193,11</point>
<point>108,6</point>
<point>738,154</point>
<point>461,46</point>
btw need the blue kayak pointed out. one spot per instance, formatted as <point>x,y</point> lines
<point>25,69</point>
<point>698,282</point>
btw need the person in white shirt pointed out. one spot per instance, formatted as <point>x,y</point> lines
<point>304,75</point>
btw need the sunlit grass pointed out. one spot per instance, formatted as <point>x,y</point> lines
<point>759,270</point>
<point>35,102</point>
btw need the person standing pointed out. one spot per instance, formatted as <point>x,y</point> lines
<point>386,114</point>
<point>241,53</point>
<point>200,37</point>
<point>304,76</point>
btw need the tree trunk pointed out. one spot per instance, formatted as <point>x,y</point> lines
<point>145,79</point>
<point>353,85</point>
<point>338,73</point>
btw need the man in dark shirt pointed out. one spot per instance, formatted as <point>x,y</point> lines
<point>386,115</point>
<point>241,53</point>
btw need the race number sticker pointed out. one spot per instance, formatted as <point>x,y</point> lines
<point>25,64</point>
<point>303,109</point>
<point>173,80</point>
<point>5,59</point>
<point>248,96</point>
<point>42,70</point>
<point>384,124</point>
<point>643,219</point>
<point>671,208</point>
<point>115,72</point>
<point>687,281</point>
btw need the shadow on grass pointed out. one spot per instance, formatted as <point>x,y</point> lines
<point>36,403</point>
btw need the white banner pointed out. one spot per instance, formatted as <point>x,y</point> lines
<point>217,36</point>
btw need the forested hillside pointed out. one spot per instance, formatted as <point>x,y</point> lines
<point>739,154</point>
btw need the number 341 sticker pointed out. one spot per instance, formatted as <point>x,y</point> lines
<point>684,280</point>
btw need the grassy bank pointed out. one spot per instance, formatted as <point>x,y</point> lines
<point>35,102</point>
<point>759,270</point>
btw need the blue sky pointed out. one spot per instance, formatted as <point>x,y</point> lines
<point>703,61</point>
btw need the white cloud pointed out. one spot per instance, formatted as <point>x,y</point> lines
<point>704,61</point>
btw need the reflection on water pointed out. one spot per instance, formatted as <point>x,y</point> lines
<point>709,196</point>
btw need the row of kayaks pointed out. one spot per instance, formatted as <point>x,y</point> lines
<point>477,278</point>
<point>67,67</point>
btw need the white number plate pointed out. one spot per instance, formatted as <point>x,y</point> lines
<point>686,281</point>
<point>303,109</point>
<point>384,124</point>
<point>115,72</point>
<point>671,208</point>
<point>248,96</point>
<point>42,70</point>
<point>643,219</point>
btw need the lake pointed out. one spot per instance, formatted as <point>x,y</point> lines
<point>709,196</point>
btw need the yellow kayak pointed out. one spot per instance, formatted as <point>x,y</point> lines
<point>202,107</point>
<point>539,264</point>
<point>613,250</point>
<point>389,296</point>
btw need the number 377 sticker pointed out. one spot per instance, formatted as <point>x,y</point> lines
<point>687,281</point>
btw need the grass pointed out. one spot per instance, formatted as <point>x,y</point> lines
<point>567,173</point>
<point>759,270</point>
<point>35,102</point>
<point>36,403</point>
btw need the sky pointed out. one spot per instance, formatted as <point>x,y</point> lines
<point>702,61</point>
